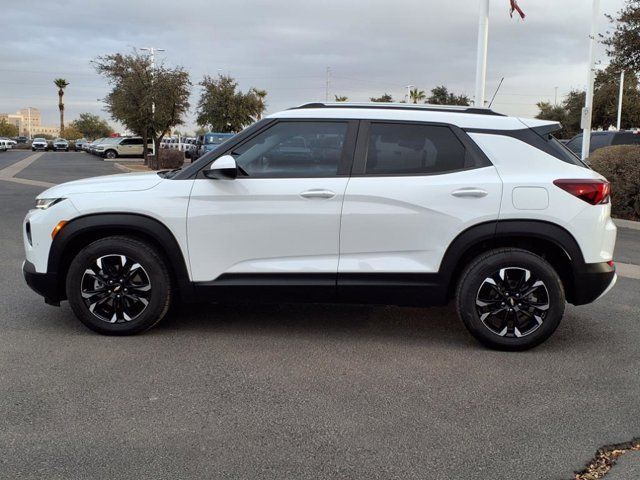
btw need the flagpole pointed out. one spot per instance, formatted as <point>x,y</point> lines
<point>587,113</point>
<point>481,61</point>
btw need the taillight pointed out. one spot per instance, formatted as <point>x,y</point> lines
<point>595,192</point>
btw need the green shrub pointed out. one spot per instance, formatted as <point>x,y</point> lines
<point>621,166</point>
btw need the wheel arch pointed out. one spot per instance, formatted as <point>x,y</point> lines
<point>548,240</point>
<point>81,231</point>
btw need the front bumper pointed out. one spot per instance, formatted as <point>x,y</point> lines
<point>44,284</point>
<point>592,282</point>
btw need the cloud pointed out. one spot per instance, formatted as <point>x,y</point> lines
<point>371,46</point>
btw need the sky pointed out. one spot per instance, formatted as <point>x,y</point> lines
<point>285,47</point>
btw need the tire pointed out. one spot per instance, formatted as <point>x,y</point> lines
<point>510,299</point>
<point>110,154</point>
<point>113,295</point>
<point>33,149</point>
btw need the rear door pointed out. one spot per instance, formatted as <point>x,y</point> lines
<point>415,187</point>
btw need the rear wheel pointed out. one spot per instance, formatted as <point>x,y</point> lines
<point>510,299</point>
<point>119,286</point>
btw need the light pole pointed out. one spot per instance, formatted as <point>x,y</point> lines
<point>152,54</point>
<point>587,113</point>
<point>481,60</point>
<point>409,87</point>
<point>620,100</point>
<point>326,87</point>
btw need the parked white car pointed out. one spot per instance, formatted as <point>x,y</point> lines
<point>39,144</point>
<point>60,144</point>
<point>9,143</point>
<point>364,203</point>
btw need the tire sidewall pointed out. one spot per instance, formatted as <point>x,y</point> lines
<point>490,264</point>
<point>143,254</point>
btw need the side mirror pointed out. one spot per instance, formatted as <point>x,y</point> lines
<point>224,168</point>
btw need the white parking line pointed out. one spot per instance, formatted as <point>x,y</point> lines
<point>626,224</point>
<point>628,270</point>
<point>8,174</point>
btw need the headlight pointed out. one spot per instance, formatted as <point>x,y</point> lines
<point>44,203</point>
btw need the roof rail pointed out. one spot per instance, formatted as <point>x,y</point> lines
<point>401,106</point>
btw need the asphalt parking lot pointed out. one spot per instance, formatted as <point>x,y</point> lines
<point>301,392</point>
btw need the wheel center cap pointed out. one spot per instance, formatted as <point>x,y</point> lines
<point>117,288</point>
<point>512,302</point>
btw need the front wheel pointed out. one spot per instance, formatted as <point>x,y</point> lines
<point>110,154</point>
<point>119,286</point>
<point>510,299</point>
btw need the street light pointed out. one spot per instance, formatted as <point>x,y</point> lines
<point>585,122</point>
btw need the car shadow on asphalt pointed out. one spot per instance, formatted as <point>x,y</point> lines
<point>435,325</point>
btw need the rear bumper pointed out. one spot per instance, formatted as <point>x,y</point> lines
<point>44,284</point>
<point>593,282</point>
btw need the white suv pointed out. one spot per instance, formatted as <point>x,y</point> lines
<point>358,203</point>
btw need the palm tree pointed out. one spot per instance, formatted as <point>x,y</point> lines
<point>417,95</point>
<point>262,105</point>
<point>341,98</point>
<point>61,83</point>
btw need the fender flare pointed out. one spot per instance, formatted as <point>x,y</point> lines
<point>105,224</point>
<point>491,233</point>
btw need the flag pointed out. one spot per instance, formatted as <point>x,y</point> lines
<point>516,8</point>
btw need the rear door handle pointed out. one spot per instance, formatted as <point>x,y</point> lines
<point>471,192</point>
<point>318,193</point>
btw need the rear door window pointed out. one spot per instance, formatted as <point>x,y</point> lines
<point>411,149</point>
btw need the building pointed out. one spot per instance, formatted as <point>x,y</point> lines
<point>29,123</point>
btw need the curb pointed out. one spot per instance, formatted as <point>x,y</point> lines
<point>122,167</point>
<point>626,224</point>
<point>126,169</point>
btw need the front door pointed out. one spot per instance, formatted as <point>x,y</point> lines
<point>278,223</point>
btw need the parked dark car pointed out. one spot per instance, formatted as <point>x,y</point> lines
<point>21,139</point>
<point>603,139</point>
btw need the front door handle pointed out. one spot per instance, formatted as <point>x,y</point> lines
<point>471,192</point>
<point>318,193</point>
